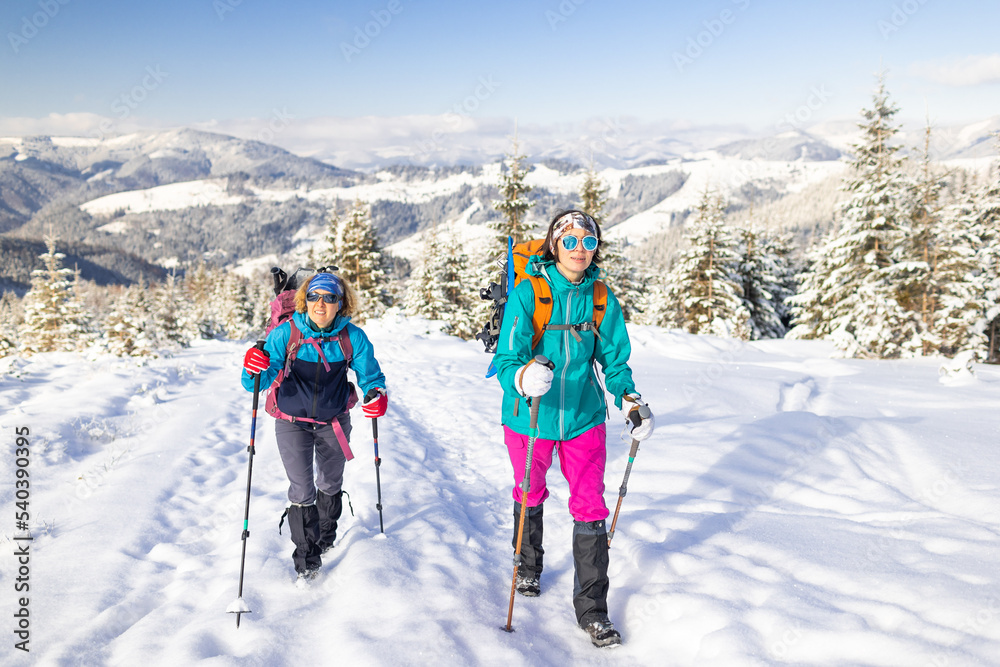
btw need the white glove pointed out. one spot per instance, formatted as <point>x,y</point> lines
<point>533,379</point>
<point>644,428</point>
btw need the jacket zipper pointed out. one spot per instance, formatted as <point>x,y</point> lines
<point>319,365</point>
<point>562,380</point>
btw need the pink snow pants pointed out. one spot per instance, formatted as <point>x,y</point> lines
<point>581,460</point>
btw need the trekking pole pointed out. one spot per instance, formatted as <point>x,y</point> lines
<point>378,463</point>
<point>238,606</point>
<point>642,413</point>
<point>525,487</point>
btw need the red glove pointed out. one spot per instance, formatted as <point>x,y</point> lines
<point>375,403</point>
<point>256,361</point>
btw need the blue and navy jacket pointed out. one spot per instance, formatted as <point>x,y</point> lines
<point>309,390</point>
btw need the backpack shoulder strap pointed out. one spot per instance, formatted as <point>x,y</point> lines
<point>600,302</point>
<point>343,338</point>
<point>543,308</point>
<point>291,350</point>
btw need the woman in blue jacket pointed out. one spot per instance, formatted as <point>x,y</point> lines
<point>305,362</point>
<point>572,408</point>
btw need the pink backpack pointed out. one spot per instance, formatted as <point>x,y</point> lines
<point>282,309</point>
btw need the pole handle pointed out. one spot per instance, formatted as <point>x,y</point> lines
<point>544,361</point>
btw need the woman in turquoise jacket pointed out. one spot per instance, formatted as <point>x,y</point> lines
<point>572,407</point>
<point>310,397</point>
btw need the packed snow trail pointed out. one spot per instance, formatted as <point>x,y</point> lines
<point>790,508</point>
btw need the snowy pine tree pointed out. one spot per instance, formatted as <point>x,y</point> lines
<point>200,290</point>
<point>594,196</point>
<point>704,290</point>
<point>10,318</point>
<point>328,253</point>
<point>850,293</point>
<point>441,287</point>
<point>168,314</point>
<point>987,228</point>
<point>424,298</point>
<point>764,275</point>
<point>243,307</point>
<point>623,276</point>
<point>957,321</point>
<point>514,206</point>
<point>124,330</point>
<point>359,259</point>
<point>54,319</point>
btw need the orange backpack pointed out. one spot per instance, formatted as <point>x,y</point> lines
<point>543,296</point>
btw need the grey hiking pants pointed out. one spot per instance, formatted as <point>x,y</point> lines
<point>299,444</point>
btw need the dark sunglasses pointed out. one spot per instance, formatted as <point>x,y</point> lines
<point>589,242</point>
<point>313,297</point>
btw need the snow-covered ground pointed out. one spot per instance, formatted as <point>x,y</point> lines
<point>790,509</point>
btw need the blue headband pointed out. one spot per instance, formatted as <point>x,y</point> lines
<point>326,281</point>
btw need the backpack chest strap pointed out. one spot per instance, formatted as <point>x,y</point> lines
<point>295,340</point>
<point>574,329</point>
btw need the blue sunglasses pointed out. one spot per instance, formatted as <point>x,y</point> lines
<point>313,297</point>
<point>589,242</point>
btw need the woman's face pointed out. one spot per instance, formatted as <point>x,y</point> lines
<point>572,263</point>
<point>320,312</point>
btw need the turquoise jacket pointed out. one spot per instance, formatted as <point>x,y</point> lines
<point>575,403</point>
<point>364,364</point>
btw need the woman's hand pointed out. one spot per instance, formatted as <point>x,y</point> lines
<point>255,361</point>
<point>376,401</point>
<point>533,379</point>
<point>639,418</point>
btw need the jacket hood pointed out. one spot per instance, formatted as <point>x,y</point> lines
<point>309,330</point>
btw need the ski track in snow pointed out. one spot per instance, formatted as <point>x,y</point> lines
<point>790,509</point>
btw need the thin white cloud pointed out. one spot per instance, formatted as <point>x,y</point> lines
<point>967,71</point>
<point>79,124</point>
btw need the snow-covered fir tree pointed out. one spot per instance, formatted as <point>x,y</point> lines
<point>424,298</point>
<point>593,195</point>
<point>918,254</point>
<point>168,313</point>
<point>850,293</point>
<point>765,277</point>
<point>54,319</point>
<point>441,287</point>
<point>200,288</point>
<point>10,319</point>
<point>359,259</point>
<point>623,276</point>
<point>987,228</point>
<point>514,205</point>
<point>242,307</point>
<point>125,329</point>
<point>957,321</point>
<point>327,253</point>
<point>703,289</point>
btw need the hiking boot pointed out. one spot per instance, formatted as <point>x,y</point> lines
<point>306,577</point>
<point>602,632</point>
<point>528,585</point>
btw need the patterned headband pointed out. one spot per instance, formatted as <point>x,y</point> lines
<point>573,219</point>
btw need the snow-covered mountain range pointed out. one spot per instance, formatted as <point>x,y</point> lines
<point>173,197</point>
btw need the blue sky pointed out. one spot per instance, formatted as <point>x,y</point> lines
<point>747,62</point>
